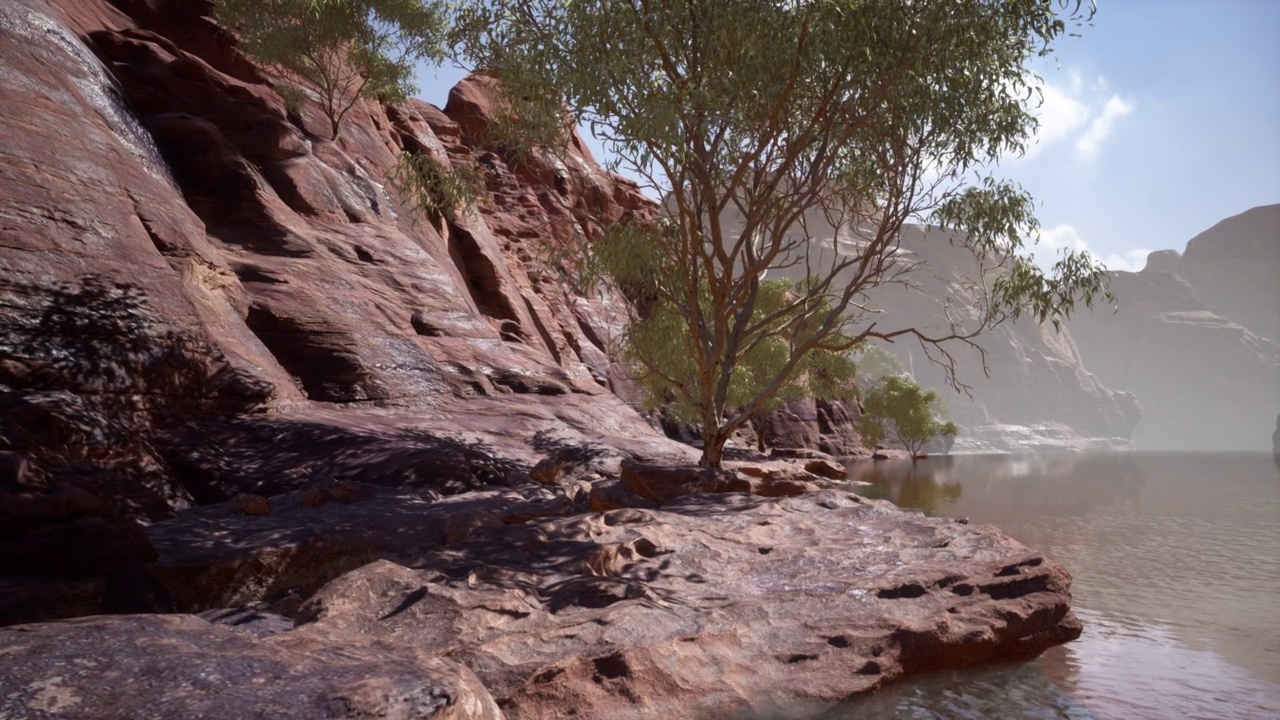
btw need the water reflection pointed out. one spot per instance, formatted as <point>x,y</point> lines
<point>1022,483</point>
<point>1176,559</point>
<point>913,485</point>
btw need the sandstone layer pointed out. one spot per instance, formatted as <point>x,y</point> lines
<point>1189,338</point>
<point>140,667</point>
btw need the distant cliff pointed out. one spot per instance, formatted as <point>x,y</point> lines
<point>1195,338</point>
<point>1040,394</point>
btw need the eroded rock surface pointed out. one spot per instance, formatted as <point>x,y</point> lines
<point>218,321</point>
<point>726,605</point>
<point>180,666</point>
<point>181,250</point>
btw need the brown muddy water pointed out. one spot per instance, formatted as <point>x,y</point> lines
<point>1176,560</point>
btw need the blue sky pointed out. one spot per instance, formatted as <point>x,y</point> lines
<point>1160,120</point>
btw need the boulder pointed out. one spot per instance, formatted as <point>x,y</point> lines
<point>249,504</point>
<point>821,425</point>
<point>827,469</point>
<point>663,482</point>
<point>547,471</point>
<point>613,495</point>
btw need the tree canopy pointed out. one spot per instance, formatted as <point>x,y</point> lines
<point>897,410</point>
<point>658,348</point>
<point>340,50</point>
<point>793,139</point>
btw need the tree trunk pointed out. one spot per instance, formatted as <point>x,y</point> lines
<point>760,423</point>
<point>713,449</point>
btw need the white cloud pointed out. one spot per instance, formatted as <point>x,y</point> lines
<point>1061,237</point>
<point>1074,110</point>
<point>1060,115</point>
<point>1116,108</point>
<point>1064,237</point>
<point>1131,260</point>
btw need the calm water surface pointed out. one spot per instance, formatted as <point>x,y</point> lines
<point>1176,560</point>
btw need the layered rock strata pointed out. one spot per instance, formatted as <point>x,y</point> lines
<point>1189,340</point>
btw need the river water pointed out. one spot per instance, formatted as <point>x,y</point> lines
<point>1176,566</point>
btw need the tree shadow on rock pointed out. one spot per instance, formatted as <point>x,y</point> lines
<point>220,457</point>
<point>89,377</point>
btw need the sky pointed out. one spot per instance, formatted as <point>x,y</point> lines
<point>1160,120</point>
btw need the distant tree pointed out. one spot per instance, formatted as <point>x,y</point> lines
<point>341,50</point>
<point>765,124</point>
<point>899,411</point>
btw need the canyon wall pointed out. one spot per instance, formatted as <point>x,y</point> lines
<point>1194,338</point>
<point>1024,386</point>
<point>180,249</point>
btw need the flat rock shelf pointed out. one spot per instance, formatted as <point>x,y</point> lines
<point>712,606</point>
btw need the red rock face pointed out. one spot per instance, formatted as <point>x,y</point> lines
<point>205,300</point>
<point>162,210</point>
<point>1234,267</point>
<point>709,606</point>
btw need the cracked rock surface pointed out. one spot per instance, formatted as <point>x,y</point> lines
<point>717,605</point>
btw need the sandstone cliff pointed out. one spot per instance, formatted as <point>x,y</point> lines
<point>1039,394</point>
<point>1234,267</point>
<point>178,247</point>
<point>1190,338</point>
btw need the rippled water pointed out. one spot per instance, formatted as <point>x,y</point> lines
<point>1176,560</point>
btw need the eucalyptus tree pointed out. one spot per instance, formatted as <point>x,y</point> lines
<point>897,410</point>
<point>340,50</point>
<point>793,138</point>
<point>660,350</point>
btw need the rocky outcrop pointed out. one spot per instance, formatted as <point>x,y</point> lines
<point>828,426</point>
<point>179,249</point>
<point>725,605</point>
<point>315,395</point>
<point>1204,381</point>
